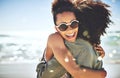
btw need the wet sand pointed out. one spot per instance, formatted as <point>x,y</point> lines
<point>113,70</point>
<point>18,70</point>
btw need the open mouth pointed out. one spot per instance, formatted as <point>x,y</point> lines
<point>72,35</point>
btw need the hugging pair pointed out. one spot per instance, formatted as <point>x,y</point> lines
<point>73,51</point>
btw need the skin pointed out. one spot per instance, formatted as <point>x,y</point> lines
<point>70,34</point>
<point>61,53</point>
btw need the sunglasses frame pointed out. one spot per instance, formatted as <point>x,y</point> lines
<point>67,24</point>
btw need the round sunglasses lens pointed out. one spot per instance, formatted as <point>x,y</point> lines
<point>74,24</point>
<point>62,27</point>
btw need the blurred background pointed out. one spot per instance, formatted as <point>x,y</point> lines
<point>24,28</point>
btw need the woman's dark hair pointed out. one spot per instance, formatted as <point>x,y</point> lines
<point>94,18</point>
<point>59,6</point>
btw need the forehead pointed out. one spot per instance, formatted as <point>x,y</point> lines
<point>65,17</point>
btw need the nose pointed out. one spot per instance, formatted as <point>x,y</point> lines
<point>69,28</point>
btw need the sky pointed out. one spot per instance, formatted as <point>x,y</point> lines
<point>22,15</point>
<point>35,15</point>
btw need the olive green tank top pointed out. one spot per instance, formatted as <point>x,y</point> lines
<point>84,54</point>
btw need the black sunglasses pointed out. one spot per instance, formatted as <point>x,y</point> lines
<point>63,26</point>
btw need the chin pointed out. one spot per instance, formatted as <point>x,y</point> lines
<point>71,39</point>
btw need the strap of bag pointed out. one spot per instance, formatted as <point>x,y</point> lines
<point>41,66</point>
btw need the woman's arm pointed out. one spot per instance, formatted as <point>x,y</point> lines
<point>100,50</point>
<point>64,57</point>
<point>48,53</point>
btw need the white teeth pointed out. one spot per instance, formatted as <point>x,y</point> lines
<point>70,34</point>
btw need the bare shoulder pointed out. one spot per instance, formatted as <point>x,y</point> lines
<point>55,36</point>
<point>55,39</point>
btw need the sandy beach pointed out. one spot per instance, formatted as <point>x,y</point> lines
<point>27,70</point>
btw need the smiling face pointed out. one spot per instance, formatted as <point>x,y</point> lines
<point>69,34</point>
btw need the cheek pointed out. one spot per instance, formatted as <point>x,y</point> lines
<point>62,33</point>
<point>76,29</point>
